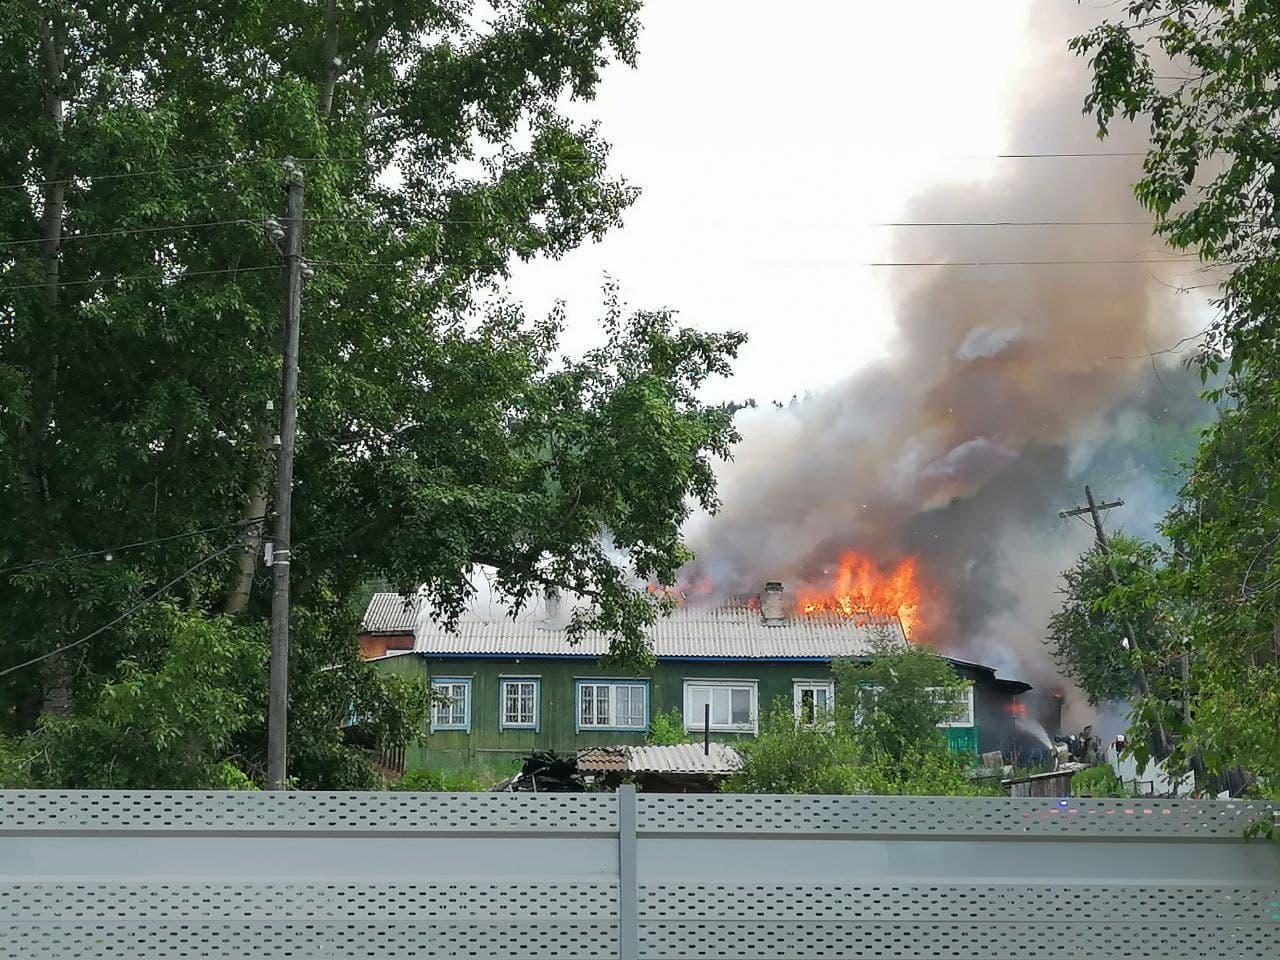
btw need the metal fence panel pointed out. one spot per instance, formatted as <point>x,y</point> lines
<point>650,877</point>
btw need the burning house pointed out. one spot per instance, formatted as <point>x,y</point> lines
<point>511,686</point>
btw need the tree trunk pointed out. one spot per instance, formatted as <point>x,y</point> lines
<point>331,68</point>
<point>58,674</point>
<point>255,505</point>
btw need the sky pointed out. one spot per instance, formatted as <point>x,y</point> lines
<point>769,141</point>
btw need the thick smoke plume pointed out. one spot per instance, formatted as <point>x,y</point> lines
<point>1008,388</point>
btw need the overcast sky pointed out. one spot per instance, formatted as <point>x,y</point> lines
<point>768,141</point>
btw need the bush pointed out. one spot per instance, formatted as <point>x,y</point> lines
<point>920,772</point>
<point>788,757</point>
<point>668,729</point>
<point>455,780</point>
<point>1099,781</point>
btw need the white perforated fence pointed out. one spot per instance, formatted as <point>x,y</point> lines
<point>502,876</point>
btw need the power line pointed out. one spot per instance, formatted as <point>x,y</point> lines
<point>157,171</point>
<point>67,558</point>
<point>142,276</point>
<point>1019,263</point>
<point>131,232</point>
<point>128,613</point>
<point>1016,223</point>
<point>243,220</point>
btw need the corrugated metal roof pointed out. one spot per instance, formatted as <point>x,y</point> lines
<point>388,613</point>
<point>733,631</point>
<point>681,758</point>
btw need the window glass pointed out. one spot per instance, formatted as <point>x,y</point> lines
<point>612,705</point>
<point>450,708</point>
<point>733,706</point>
<point>740,705</point>
<point>519,703</point>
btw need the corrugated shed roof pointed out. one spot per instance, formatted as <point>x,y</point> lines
<point>388,613</point>
<point>682,758</point>
<point>732,631</point>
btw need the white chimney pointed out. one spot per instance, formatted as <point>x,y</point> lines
<point>771,611</point>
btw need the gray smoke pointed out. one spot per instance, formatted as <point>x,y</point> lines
<point>1007,390</point>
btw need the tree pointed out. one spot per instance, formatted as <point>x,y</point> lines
<point>882,737</point>
<point>439,428</point>
<point>1088,636</point>
<point>898,697</point>
<point>1197,74</point>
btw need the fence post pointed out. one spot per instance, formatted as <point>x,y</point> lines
<point>628,888</point>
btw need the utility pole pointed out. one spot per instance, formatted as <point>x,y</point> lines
<point>1093,508</point>
<point>278,698</point>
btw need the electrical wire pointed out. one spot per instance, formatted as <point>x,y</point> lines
<point>157,171</point>
<point>54,561</point>
<point>128,613</point>
<point>1016,223</point>
<point>1019,263</point>
<point>141,276</point>
<point>241,220</point>
<point>250,161</point>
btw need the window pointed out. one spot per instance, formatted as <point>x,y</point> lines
<point>452,707</point>
<point>813,700</point>
<point>519,704</point>
<point>613,705</point>
<point>959,702</point>
<point>732,703</point>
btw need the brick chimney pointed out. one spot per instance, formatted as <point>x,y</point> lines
<point>771,611</point>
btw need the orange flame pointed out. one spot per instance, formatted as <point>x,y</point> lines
<point>861,586</point>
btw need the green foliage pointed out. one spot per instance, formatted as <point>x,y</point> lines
<point>1087,635</point>
<point>1099,781</point>
<point>921,771</point>
<point>439,427</point>
<point>898,697</point>
<point>790,757</point>
<point>667,729</point>
<point>1212,178</point>
<point>170,725</point>
<point>1210,174</point>
<point>475,779</point>
<point>882,737</point>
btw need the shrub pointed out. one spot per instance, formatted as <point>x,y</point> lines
<point>453,780</point>
<point>922,771</point>
<point>1099,781</point>
<point>667,729</point>
<point>788,757</point>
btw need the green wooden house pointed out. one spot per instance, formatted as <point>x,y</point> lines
<point>515,685</point>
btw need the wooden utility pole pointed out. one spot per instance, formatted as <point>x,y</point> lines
<point>278,699</point>
<point>1093,508</point>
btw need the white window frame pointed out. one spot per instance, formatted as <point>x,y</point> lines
<point>611,724</point>
<point>506,724</point>
<point>798,689</point>
<point>965,697</point>
<point>696,723</point>
<point>450,724</point>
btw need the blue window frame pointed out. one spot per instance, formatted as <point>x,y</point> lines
<point>451,709</point>
<point>611,705</point>
<point>519,703</point>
